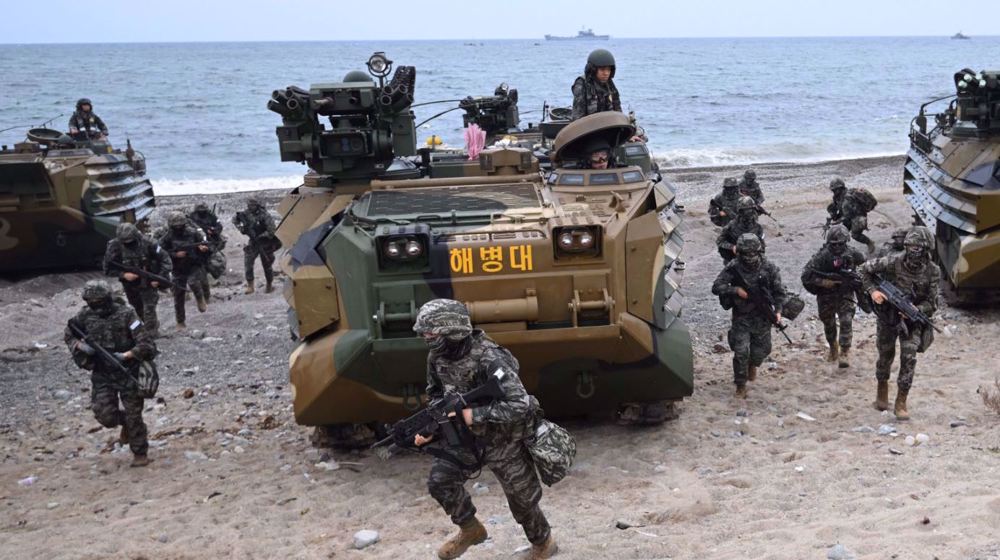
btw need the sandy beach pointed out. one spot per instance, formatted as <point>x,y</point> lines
<point>803,465</point>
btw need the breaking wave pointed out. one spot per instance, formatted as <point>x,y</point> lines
<point>718,157</point>
<point>171,187</point>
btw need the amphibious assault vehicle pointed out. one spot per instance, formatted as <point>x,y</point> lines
<point>61,199</point>
<point>952,181</point>
<point>575,270</point>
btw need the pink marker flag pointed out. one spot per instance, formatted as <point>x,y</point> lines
<point>475,140</point>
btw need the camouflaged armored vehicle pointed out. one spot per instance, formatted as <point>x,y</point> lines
<point>61,199</point>
<point>576,271</point>
<point>952,181</point>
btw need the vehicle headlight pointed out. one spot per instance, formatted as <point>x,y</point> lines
<point>578,241</point>
<point>414,248</point>
<point>403,251</point>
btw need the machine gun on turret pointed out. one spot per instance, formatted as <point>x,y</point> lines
<point>496,114</point>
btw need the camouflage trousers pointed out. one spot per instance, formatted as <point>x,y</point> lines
<point>516,473</point>
<point>193,279</point>
<point>885,336</point>
<point>105,393</point>
<point>834,309</point>
<point>144,301</point>
<point>250,253</point>
<point>858,227</point>
<point>750,341</point>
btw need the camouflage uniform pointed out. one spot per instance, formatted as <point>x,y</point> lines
<point>204,218</point>
<point>724,202</point>
<point>116,328</point>
<point>894,245</point>
<point>834,210</point>
<point>460,360</point>
<point>750,333</point>
<point>84,125</point>
<point>255,223</point>
<point>834,299</point>
<point>188,270</point>
<point>750,187</point>
<point>913,273</point>
<point>746,222</point>
<point>130,248</point>
<point>855,219</point>
<point>591,96</point>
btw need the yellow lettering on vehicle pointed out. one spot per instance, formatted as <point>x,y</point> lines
<point>491,259</point>
<point>461,260</point>
<point>520,257</point>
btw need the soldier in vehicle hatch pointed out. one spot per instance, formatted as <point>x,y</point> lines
<point>722,207</point>
<point>597,154</point>
<point>595,90</point>
<point>84,124</point>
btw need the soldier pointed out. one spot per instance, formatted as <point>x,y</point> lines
<point>894,245</point>
<point>750,333</point>
<point>722,208</point>
<point>913,272</point>
<point>854,215</point>
<point>115,327</point>
<point>132,250</point>
<point>834,296</point>
<point>461,359</point>
<point>205,218</point>
<point>188,250</point>
<point>84,124</point>
<point>258,226</point>
<point>598,154</point>
<point>595,90</point>
<point>750,187</point>
<point>745,222</point>
<point>834,209</point>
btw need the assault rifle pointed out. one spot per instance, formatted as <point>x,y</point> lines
<point>192,250</point>
<point>849,280</point>
<point>762,299</point>
<point>147,275</point>
<point>897,300</point>
<point>442,419</point>
<point>760,210</point>
<point>102,352</point>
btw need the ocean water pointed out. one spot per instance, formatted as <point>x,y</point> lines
<point>197,110</point>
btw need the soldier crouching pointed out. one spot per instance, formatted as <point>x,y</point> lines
<point>116,328</point>
<point>460,360</point>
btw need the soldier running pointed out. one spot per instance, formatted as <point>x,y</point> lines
<point>722,207</point>
<point>913,272</point>
<point>834,295</point>
<point>750,333</point>
<point>834,210</point>
<point>256,223</point>
<point>460,360</point>
<point>745,222</point>
<point>208,221</point>
<point>188,250</point>
<point>128,255</point>
<point>115,327</point>
<point>750,187</point>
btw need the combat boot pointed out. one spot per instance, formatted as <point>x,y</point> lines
<point>547,549</point>
<point>180,326</point>
<point>269,288</point>
<point>834,352</point>
<point>845,357</point>
<point>741,390</point>
<point>249,289</point>
<point>140,460</point>
<point>202,304</point>
<point>882,396</point>
<point>902,414</point>
<point>123,435</point>
<point>471,533</point>
<point>752,373</point>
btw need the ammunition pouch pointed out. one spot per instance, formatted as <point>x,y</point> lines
<point>216,265</point>
<point>926,339</point>
<point>147,379</point>
<point>792,307</point>
<point>552,451</point>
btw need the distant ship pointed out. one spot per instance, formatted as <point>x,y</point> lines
<point>582,35</point>
<point>959,35</point>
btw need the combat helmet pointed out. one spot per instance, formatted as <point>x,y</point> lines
<point>837,184</point>
<point>444,317</point>
<point>201,207</point>
<point>176,219</point>
<point>921,237</point>
<point>899,235</point>
<point>730,183</point>
<point>748,243</point>
<point>357,76</point>
<point>598,58</point>
<point>746,203</point>
<point>838,234</point>
<point>96,292</point>
<point>127,232</point>
<point>83,101</point>
<point>750,175</point>
<point>253,203</point>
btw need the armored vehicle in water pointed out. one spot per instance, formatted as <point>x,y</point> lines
<point>575,270</point>
<point>952,181</point>
<point>61,199</point>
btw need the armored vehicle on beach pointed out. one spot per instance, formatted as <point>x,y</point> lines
<point>61,199</point>
<point>576,270</point>
<point>952,181</point>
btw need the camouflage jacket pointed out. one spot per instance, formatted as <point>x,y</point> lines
<point>722,202</point>
<point>146,255</point>
<point>733,275</point>
<point>850,211</point>
<point>254,224</point>
<point>835,210</point>
<point>752,190</point>
<point>173,243</point>
<point>826,262</point>
<point>87,122</point>
<point>209,223</point>
<point>506,419</point>
<point>591,96</point>
<point>922,285</point>
<point>119,331</point>
<point>732,232</point>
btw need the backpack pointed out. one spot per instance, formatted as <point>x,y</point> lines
<point>863,198</point>
<point>552,450</point>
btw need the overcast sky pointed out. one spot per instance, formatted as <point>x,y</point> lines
<point>99,21</point>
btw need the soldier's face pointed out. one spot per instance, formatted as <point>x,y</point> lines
<point>603,74</point>
<point>838,248</point>
<point>85,108</point>
<point>599,160</point>
<point>750,259</point>
<point>748,216</point>
<point>434,341</point>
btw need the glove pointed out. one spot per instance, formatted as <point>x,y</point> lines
<point>120,356</point>
<point>85,348</point>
